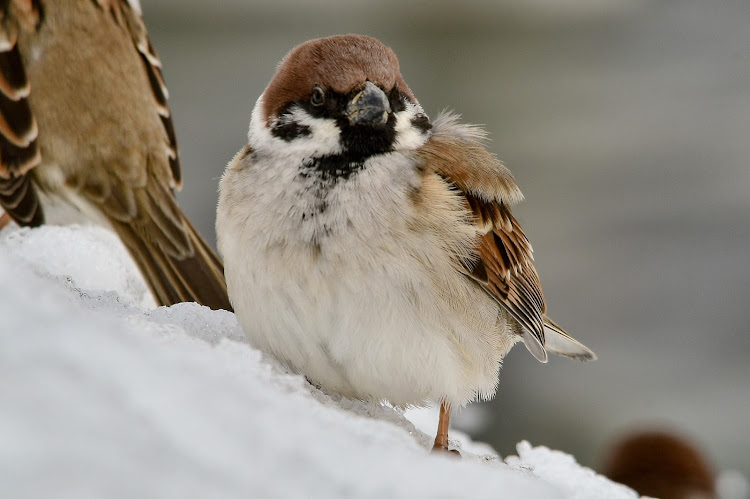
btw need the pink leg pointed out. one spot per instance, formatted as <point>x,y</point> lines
<point>441,440</point>
<point>4,220</point>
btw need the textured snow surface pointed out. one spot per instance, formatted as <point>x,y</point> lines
<point>100,397</point>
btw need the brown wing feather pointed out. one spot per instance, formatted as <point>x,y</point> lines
<point>19,150</point>
<point>457,152</point>
<point>505,268</point>
<point>177,262</point>
<point>512,279</point>
<point>153,69</point>
<point>132,187</point>
<point>198,276</point>
<point>123,14</point>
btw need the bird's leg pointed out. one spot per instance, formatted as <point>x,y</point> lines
<point>441,440</point>
<point>4,220</point>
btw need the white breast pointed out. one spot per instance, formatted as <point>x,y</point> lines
<point>356,295</point>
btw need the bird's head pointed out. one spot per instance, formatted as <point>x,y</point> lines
<point>341,97</point>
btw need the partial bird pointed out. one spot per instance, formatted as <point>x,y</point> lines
<point>659,463</point>
<point>86,136</point>
<point>372,249</point>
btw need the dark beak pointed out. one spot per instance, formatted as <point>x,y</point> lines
<point>369,107</point>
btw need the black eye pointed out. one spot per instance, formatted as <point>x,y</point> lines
<point>318,96</point>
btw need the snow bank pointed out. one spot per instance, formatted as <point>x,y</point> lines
<point>100,397</point>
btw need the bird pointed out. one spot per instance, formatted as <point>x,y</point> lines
<point>661,463</point>
<point>86,137</point>
<point>372,249</point>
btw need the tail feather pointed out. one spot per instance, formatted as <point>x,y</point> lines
<point>166,285</point>
<point>197,277</point>
<point>557,341</point>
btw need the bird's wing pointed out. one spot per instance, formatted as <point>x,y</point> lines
<point>126,14</point>
<point>123,156</point>
<point>177,262</point>
<point>504,266</point>
<point>19,150</point>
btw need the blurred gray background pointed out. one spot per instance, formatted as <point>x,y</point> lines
<point>627,125</point>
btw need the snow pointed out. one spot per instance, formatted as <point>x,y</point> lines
<point>102,395</point>
<point>562,469</point>
<point>94,258</point>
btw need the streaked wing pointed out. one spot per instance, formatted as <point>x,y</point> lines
<point>19,150</point>
<point>128,18</point>
<point>177,262</point>
<point>506,255</point>
<point>99,70</point>
<point>505,267</point>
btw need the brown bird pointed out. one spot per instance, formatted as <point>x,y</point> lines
<point>86,136</point>
<point>372,249</point>
<point>661,464</point>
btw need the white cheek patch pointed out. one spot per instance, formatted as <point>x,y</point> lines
<point>408,136</point>
<point>323,138</point>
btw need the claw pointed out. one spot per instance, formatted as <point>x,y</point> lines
<point>441,439</point>
<point>439,449</point>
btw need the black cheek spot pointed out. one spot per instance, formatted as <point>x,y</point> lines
<point>422,123</point>
<point>290,130</point>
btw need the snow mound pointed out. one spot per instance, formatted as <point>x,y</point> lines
<point>100,397</point>
<point>562,470</point>
<point>93,258</point>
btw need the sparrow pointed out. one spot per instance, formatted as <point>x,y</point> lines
<point>86,136</point>
<point>372,249</point>
<point>658,463</point>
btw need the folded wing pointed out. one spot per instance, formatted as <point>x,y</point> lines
<point>504,266</point>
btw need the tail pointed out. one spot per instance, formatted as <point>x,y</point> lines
<point>195,274</point>
<point>557,341</point>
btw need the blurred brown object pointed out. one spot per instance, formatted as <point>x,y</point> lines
<point>660,464</point>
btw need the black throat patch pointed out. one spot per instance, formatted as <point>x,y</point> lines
<point>329,169</point>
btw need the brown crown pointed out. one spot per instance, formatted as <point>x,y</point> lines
<point>340,63</point>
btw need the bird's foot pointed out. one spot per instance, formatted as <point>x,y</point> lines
<point>443,449</point>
